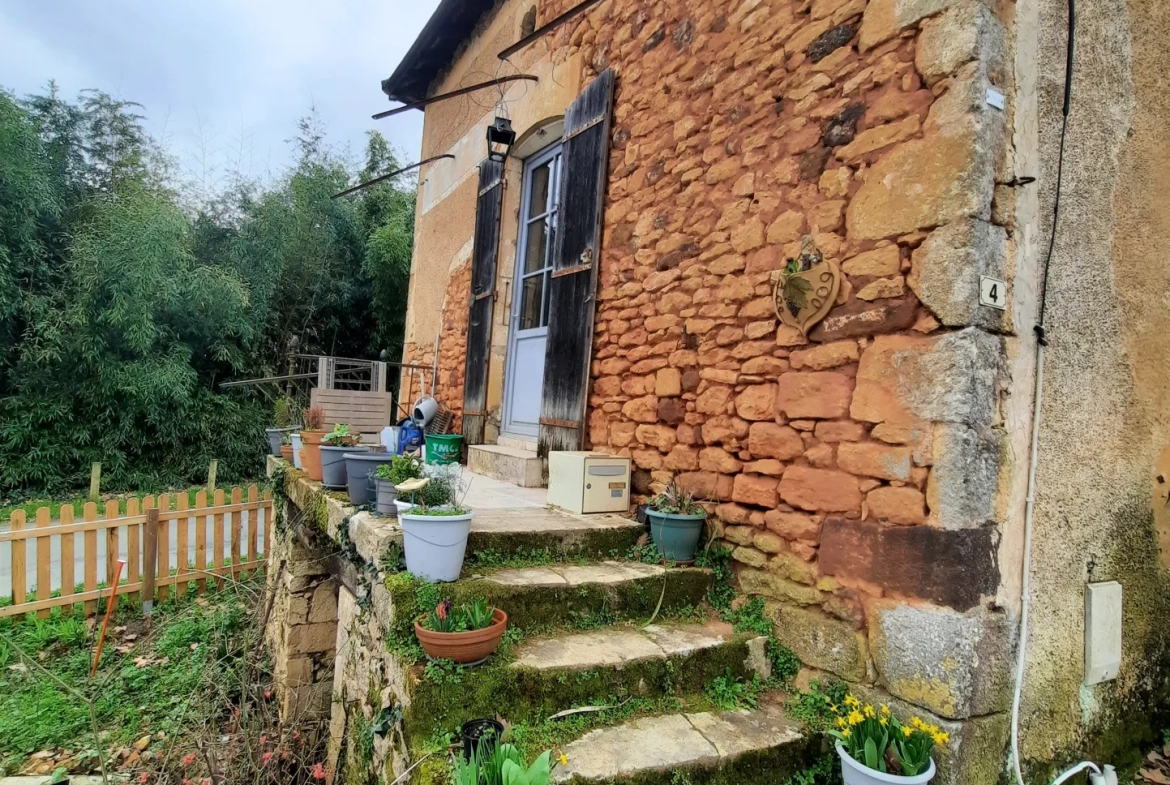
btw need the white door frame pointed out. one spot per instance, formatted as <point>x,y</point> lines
<point>516,333</point>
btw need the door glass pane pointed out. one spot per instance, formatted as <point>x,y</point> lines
<point>541,181</point>
<point>544,310</point>
<point>531,297</point>
<point>536,249</point>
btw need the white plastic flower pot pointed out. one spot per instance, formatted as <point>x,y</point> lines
<point>855,773</point>
<point>401,505</point>
<point>298,445</point>
<point>435,545</point>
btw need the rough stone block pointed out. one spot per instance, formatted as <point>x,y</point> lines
<point>952,377</point>
<point>975,752</point>
<point>963,33</point>
<point>793,525</point>
<point>964,481</point>
<point>957,665</point>
<point>769,440</point>
<point>884,19</point>
<point>819,640</point>
<point>324,608</point>
<point>820,490</point>
<point>818,394</point>
<point>824,356</point>
<point>875,460</point>
<point>947,175</point>
<point>755,489</point>
<point>858,318</point>
<point>312,638</point>
<point>757,402</point>
<point>904,505</point>
<point>946,271</point>
<point>765,583</point>
<point>954,568</point>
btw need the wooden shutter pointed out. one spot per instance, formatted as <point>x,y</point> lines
<point>484,253</point>
<point>576,256</point>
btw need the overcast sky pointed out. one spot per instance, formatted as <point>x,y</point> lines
<point>240,70</point>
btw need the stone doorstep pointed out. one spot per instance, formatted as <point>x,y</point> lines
<point>620,646</point>
<point>676,741</point>
<point>373,535</point>
<point>508,464</point>
<point>516,442</point>
<point>606,572</point>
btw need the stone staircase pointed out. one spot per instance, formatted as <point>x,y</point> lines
<point>579,611</point>
<point>510,460</point>
<point>585,642</point>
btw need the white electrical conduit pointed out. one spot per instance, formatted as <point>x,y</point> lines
<point>1109,776</point>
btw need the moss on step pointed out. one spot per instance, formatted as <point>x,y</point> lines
<point>763,767</point>
<point>567,544</point>
<point>526,695</point>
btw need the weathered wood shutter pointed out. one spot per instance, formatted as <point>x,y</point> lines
<point>576,257</point>
<point>485,251</point>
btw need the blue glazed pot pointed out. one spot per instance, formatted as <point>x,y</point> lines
<point>676,536</point>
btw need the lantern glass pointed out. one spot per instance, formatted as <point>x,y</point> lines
<point>500,138</point>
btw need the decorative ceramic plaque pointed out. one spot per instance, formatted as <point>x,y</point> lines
<point>806,288</point>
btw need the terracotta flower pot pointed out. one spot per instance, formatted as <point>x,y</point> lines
<point>311,454</point>
<point>463,647</point>
<point>286,452</point>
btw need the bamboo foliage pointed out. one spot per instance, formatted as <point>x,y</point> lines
<point>238,546</point>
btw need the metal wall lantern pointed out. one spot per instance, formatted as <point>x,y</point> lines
<point>500,138</point>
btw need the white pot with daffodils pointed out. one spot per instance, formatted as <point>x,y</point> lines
<point>876,747</point>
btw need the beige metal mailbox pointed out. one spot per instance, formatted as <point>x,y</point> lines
<point>589,482</point>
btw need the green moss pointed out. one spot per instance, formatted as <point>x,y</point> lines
<point>524,695</point>
<point>556,545</point>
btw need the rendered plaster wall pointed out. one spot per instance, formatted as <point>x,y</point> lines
<point>1106,387</point>
<point>441,265</point>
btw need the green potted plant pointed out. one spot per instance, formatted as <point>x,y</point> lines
<point>286,447</point>
<point>400,469</point>
<point>334,446</point>
<point>281,425</point>
<point>676,523</point>
<point>466,634</point>
<point>436,526</point>
<point>876,747</point>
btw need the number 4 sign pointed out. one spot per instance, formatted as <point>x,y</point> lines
<point>992,293</point>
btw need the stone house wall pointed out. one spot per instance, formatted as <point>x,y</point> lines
<point>870,477</point>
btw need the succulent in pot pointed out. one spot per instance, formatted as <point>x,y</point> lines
<point>465,634</point>
<point>876,747</point>
<point>400,469</point>
<point>311,436</point>
<point>676,523</point>
<point>436,525</point>
<point>334,446</point>
<point>281,425</point>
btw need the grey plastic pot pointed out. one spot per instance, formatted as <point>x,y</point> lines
<point>276,438</point>
<point>386,495</point>
<point>676,536</point>
<point>333,465</point>
<point>359,474</point>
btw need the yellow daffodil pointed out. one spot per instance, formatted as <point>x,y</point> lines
<point>846,733</point>
<point>563,759</point>
<point>942,737</point>
<point>855,717</point>
<point>833,707</point>
<point>907,731</point>
<point>841,722</point>
<point>917,723</point>
<point>885,710</point>
<point>869,712</point>
<point>883,721</point>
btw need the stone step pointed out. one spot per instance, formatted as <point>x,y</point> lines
<point>516,442</point>
<point>593,667</point>
<point>579,595</point>
<point>744,747</point>
<point>508,464</point>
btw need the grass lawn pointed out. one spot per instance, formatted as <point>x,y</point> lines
<point>163,699</point>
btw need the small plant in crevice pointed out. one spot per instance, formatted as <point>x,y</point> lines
<point>785,664</point>
<point>749,617</point>
<point>717,559</point>
<point>814,709</point>
<point>731,692</point>
<point>444,672</point>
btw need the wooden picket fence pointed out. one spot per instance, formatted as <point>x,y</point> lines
<point>236,547</point>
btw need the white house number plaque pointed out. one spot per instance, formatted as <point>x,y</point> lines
<point>992,292</point>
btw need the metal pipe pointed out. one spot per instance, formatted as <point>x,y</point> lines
<point>454,94</point>
<point>377,180</point>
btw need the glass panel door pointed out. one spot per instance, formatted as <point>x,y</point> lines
<point>529,324</point>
